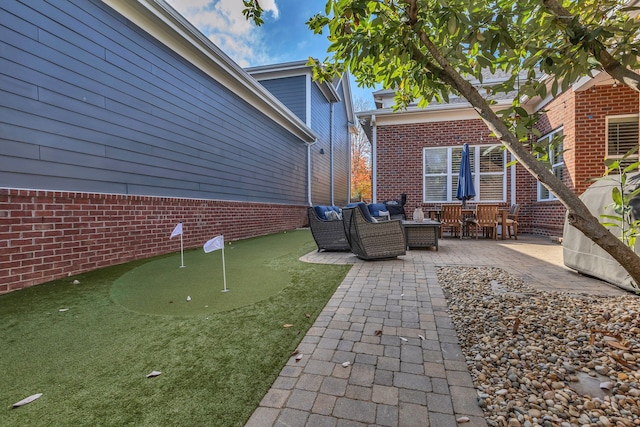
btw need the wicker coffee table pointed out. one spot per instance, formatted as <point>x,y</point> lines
<point>421,234</point>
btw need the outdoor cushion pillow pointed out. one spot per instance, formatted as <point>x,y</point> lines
<point>337,210</point>
<point>378,209</point>
<point>365,211</point>
<point>331,215</point>
<point>320,210</point>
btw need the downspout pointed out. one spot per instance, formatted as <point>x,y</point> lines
<point>309,174</point>
<point>374,162</point>
<point>513,181</point>
<point>308,122</point>
<point>331,171</point>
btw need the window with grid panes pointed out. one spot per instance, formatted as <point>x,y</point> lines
<point>442,166</point>
<point>556,161</point>
<point>622,136</point>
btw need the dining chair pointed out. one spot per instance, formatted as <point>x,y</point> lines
<point>451,217</point>
<point>512,221</point>
<point>486,218</point>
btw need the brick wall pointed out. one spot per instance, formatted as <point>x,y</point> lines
<point>582,115</point>
<point>592,108</point>
<point>400,156</point>
<point>399,153</point>
<point>48,235</point>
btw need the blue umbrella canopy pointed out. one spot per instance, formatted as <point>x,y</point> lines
<point>465,189</point>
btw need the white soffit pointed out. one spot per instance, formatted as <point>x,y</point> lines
<point>433,113</point>
<point>166,25</point>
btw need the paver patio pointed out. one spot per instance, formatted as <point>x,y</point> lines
<point>389,321</point>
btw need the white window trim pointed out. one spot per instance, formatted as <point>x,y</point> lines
<point>476,175</point>
<point>620,116</point>
<point>552,197</point>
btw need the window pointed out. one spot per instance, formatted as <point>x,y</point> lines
<point>622,136</point>
<point>441,166</point>
<point>556,161</point>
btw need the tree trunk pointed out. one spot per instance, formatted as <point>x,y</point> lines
<point>579,215</point>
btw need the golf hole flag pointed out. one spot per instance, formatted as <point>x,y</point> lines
<point>213,245</point>
<point>177,231</point>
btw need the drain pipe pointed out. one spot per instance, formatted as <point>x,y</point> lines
<point>331,171</point>
<point>309,201</point>
<point>374,162</point>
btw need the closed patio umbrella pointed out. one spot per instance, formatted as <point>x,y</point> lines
<point>465,190</point>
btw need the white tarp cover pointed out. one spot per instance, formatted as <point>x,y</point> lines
<point>582,254</point>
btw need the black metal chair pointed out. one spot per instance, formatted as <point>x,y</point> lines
<point>396,207</point>
<point>372,240</point>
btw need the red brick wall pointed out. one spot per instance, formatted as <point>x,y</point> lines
<point>399,153</point>
<point>592,108</point>
<point>48,235</point>
<point>583,115</point>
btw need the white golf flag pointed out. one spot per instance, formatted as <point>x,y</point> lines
<point>176,231</point>
<point>214,244</point>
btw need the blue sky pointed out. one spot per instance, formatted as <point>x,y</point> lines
<point>284,36</point>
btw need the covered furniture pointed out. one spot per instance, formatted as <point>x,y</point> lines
<point>486,218</point>
<point>582,254</point>
<point>372,240</point>
<point>451,218</point>
<point>328,233</point>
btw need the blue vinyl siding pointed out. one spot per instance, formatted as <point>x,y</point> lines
<point>89,102</point>
<point>320,163</point>
<point>341,154</point>
<point>291,91</point>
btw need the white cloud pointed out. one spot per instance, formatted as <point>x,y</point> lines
<point>223,23</point>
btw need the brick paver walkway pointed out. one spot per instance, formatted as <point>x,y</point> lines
<point>384,352</point>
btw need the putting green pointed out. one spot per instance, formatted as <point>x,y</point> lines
<point>253,270</point>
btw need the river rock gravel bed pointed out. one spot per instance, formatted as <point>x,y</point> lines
<point>546,358</point>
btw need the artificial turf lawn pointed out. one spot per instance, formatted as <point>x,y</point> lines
<point>161,286</point>
<point>90,361</point>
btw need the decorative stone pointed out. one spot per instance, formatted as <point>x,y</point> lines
<point>563,341</point>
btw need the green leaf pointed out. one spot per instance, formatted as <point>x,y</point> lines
<point>484,62</point>
<point>452,25</point>
<point>616,195</point>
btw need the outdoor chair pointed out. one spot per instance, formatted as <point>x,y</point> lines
<point>512,221</point>
<point>372,240</point>
<point>328,234</point>
<point>486,218</point>
<point>451,218</point>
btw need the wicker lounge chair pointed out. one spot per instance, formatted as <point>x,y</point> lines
<point>372,240</point>
<point>329,235</point>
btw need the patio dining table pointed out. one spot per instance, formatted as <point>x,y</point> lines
<point>435,213</point>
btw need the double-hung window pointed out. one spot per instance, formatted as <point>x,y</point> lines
<point>556,162</point>
<point>442,166</point>
<point>622,136</point>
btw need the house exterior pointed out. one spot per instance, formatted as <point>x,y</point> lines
<point>417,151</point>
<point>327,109</point>
<point>119,119</point>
